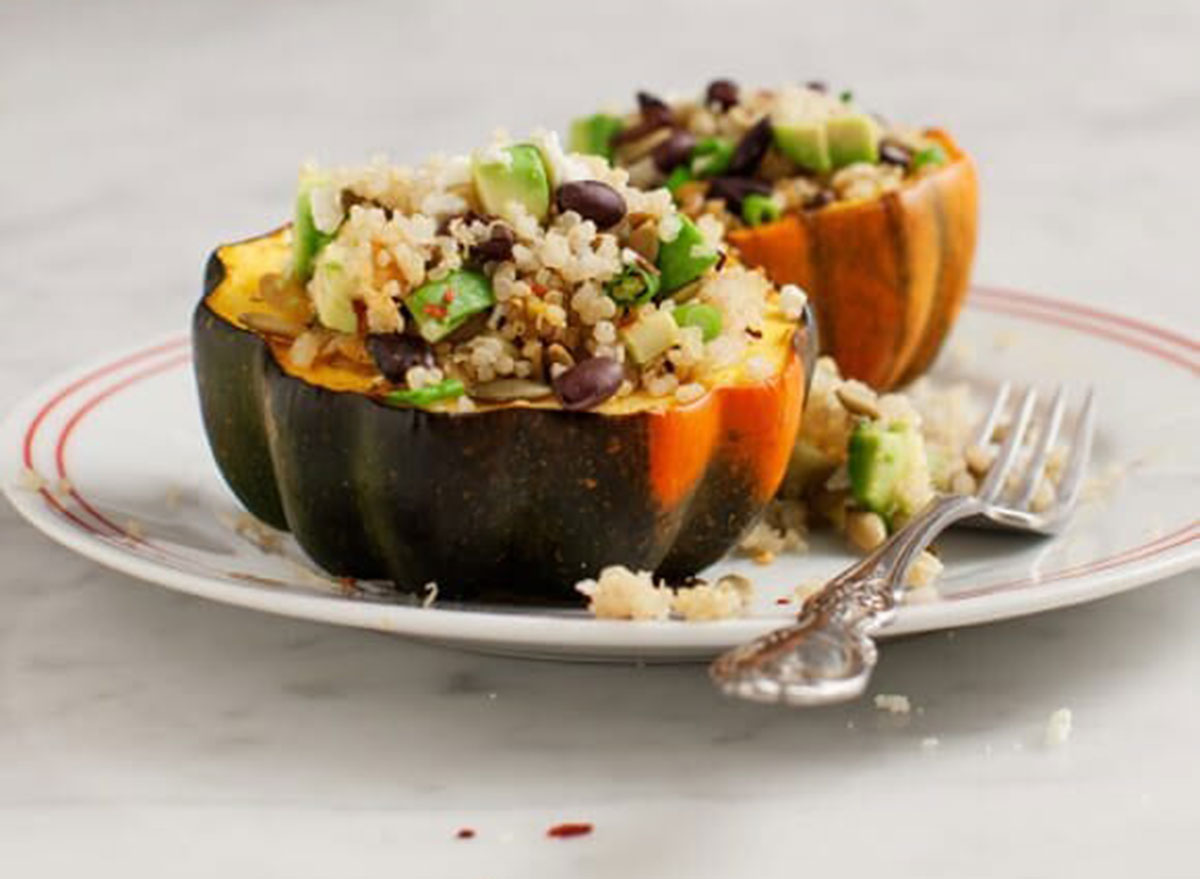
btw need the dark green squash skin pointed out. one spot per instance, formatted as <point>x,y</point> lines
<point>512,505</point>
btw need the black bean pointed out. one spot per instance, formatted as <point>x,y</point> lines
<point>721,92</point>
<point>751,149</point>
<point>892,153</point>
<point>674,151</point>
<point>589,383</point>
<point>497,248</point>
<point>653,107</point>
<point>395,354</point>
<point>817,85</point>
<point>822,198</point>
<point>593,201</point>
<point>733,190</point>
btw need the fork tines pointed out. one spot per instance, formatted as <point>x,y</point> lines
<point>1039,433</point>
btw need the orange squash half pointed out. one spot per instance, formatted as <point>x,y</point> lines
<point>887,277</point>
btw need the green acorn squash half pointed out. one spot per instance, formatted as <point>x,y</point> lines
<point>511,502</point>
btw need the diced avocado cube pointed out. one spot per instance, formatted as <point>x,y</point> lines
<point>514,173</point>
<point>852,138</point>
<point>447,389</point>
<point>878,457</point>
<point>332,291</point>
<point>711,157</point>
<point>594,134</point>
<point>805,144</point>
<point>636,284</point>
<point>650,336</point>
<point>440,307</point>
<point>685,257</point>
<point>699,314</point>
<point>307,239</point>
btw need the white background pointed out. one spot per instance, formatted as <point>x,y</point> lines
<point>144,733</point>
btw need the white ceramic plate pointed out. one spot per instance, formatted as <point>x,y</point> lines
<point>130,484</point>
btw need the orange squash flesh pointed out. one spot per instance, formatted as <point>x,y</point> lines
<point>887,277</point>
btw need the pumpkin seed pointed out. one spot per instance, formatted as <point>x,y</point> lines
<point>858,401</point>
<point>504,389</point>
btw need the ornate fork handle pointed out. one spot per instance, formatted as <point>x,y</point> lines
<point>828,654</point>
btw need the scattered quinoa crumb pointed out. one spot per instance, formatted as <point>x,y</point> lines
<point>621,594</point>
<point>63,487</point>
<point>893,703</point>
<point>134,529</point>
<point>727,598</point>
<point>1058,728</point>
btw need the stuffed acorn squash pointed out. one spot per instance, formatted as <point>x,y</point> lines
<point>876,222</point>
<point>498,373</point>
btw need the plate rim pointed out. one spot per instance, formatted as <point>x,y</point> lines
<point>568,633</point>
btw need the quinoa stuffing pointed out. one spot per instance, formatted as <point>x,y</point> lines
<point>520,272</point>
<point>746,157</point>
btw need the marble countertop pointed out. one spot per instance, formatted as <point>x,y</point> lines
<point>145,733</point>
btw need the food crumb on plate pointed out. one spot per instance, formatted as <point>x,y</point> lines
<point>1058,728</point>
<point>893,703</point>
<point>465,833</point>
<point>729,597</point>
<point>621,594</point>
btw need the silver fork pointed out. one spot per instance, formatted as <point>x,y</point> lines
<point>828,654</point>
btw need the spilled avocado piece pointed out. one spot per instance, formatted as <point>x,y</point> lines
<point>685,257</point>
<point>879,458</point>
<point>805,144</point>
<point>852,138</point>
<point>440,307</point>
<point>514,173</point>
<point>593,135</point>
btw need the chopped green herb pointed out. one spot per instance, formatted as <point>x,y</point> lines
<point>441,307</point>
<point>698,314</point>
<point>846,97</point>
<point>931,155</point>
<point>681,175</point>
<point>711,157</point>
<point>758,209</point>
<point>447,389</point>
<point>636,284</point>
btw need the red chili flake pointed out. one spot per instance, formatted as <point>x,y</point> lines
<point>783,601</point>
<point>465,833</point>
<point>539,289</point>
<point>570,829</point>
<point>449,295</point>
<point>434,310</point>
